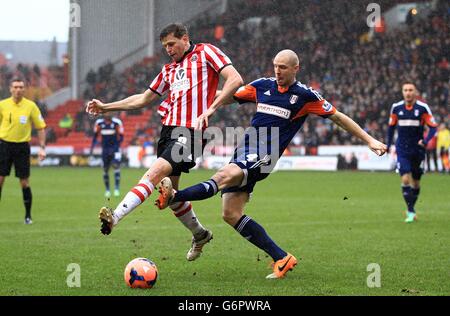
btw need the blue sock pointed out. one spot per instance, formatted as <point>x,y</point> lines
<point>255,233</point>
<point>197,192</point>
<point>117,178</point>
<point>415,193</point>
<point>408,196</point>
<point>106,180</point>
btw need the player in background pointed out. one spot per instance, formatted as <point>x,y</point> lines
<point>190,82</point>
<point>17,116</point>
<point>409,117</point>
<point>443,144</point>
<point>282,103</point>
<point>111,130</point>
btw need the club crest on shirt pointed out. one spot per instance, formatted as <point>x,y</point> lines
<point>194,58</point>
<point>293,99</point>
<point>416,112</point>
<point>327,106</point>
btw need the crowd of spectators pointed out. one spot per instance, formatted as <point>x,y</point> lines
<point>41,81</point>
<point>360,73</point>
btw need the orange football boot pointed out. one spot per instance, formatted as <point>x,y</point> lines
<point>282,266</point>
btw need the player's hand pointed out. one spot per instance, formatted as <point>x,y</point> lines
<point>377,147</point>
<point>420,143</point>
<point>42,154</point>
<point>202,120</point>
<point>95,107</point>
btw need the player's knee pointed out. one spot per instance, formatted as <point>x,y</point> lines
<point>24,183</point>
<point>222,178</point>
<point>158,171</point>
<point>226,178</point>
<point>230,216</point>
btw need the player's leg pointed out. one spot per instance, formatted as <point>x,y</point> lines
<point>435,159</point>
<point>22,170</point>
<point>116,168</point>
<point>184,212</point>
<point>106,157</point>
<point>228,176</point>
<point>136,196</point>
<point>444,159</point>
<point>5,164</point>
<point>416,174</point>
<point>408,196</point>
<point>404,165</point>
<point>233,214</point>
<point>428,158</point>
<point>27,198</point>
<point>2,181</point>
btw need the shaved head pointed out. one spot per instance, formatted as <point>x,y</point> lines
<point>288,56</point>
<point>286,65</point>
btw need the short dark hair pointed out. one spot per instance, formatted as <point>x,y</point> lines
<point>177,29</point>
<point>16,79</point>
<point>407,81</point>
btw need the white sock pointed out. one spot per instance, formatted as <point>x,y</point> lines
<point>185,214</point>
<point>133,199</point>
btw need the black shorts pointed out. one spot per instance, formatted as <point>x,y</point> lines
<point>111,158</point>
<point>180,146</point>
<point>17,154</point>
<point>250,162</point>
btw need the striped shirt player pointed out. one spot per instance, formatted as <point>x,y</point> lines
<point>409,117</point>
<point>111,131</point>
<point>189,82</point>
<point>283,104</point>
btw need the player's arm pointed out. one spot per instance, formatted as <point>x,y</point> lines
<point>133,102</point>
<point>42,140</point>
<point>39,124</point>
<point>427,118</point>
<point>119,131</point>
<point>94,138</point>
<point>350,126</point>
<point>94,142</point>
<point>391,128</point>
<point>233,81</point>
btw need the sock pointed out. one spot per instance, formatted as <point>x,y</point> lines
<point>106,180</point>
<point>133,199</point>
<point>255,233</point>
<point>27,198</point>
<point>117,178</point>
<point>197,192</point>
<point>408,196</point>
<point>415,193</point>
<point>185,214</point>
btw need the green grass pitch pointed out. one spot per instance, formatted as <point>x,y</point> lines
<point>335,223</point>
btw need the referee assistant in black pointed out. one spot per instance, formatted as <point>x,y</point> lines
<point>17,115</point>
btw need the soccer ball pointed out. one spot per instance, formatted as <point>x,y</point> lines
<point>141,273</point>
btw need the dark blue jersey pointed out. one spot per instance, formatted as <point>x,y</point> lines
<point>286,109</point>
<point>111,132</point>
<point>410,122</point>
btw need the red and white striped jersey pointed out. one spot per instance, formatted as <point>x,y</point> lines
<point>191,84</point>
